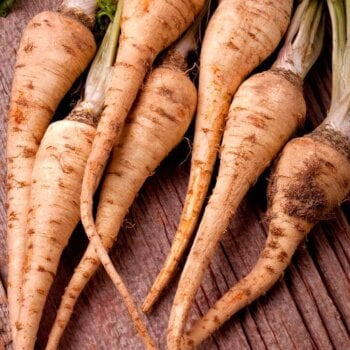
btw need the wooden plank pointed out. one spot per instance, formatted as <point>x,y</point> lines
<point>309,307</point>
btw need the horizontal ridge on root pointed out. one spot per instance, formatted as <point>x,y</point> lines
<point>334,138</point>
<point>78,15</point>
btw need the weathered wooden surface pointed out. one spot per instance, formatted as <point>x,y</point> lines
<point>309,308</point>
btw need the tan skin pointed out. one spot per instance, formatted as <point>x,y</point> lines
<point>266,111</point>
<point>311,178</point>
<point>34,99</point>
<point>145,142</point>
<point>147,27</point>
<point>239,36</point>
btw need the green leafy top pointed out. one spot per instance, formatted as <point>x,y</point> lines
<point>5,6</point>
<point>107,8</point>
<point>101,69</point>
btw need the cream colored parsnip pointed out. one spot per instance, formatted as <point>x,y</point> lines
<point>156,124</point>
<point>54,203</point>
<point>239,36</point>
<point>267,109</point>
<point>54,50</point>
<point>147,27</point>
<point>311,177</point>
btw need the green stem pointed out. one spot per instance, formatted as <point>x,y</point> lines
<point>106,8</point>
<point>304,39</point>
<point>101,69</point>
<point>5,7</point>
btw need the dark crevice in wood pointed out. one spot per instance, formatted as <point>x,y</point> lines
<point>329,292</point>
<point>262,308</point>
<point>301,312</point>
<point>316,305</point>
<point>328,232</point>
<point>245,332</point>
<point>178,195</point>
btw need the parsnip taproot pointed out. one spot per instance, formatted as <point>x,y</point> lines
<point>239,36</point>
<point>55,49</point>
<point>311,177</point>
<point>157,122</point>
<point>55,190</point>
<point>147,28</point>
<point>266,111</point>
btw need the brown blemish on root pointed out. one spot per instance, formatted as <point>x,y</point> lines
<point>21,100</point>
<point>42,269</point>
<point>12,216</point>
<point>18,116</point>
<point>78,15</point>
<point>273,244</point>
<point>251,139</point>
<point>190,343</point>
<point>266,254</point>
<point>231,45</point>
<point>161,112</point>
<point>68,49</point>
<point>30,232</point>
<point>35,24</point>
<point>28,152</point>
<point>29,47</point>
<point>70,147</point>
<point>53,240</point>
<point>55,222</point>
<point>305,199</point>
<point>164,91</point>
<point>282,256</point>
<point>288,75</point>
<point>48,23</point>
<point>247,291</point>
<point>174,60</point>
<point>270,269</point>
<point>276,231</point>
<point>30,85</point>
<point>19,326</point>
<point>257,121</point>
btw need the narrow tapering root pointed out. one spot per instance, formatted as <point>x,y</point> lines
<point>311,177</point>
<point>95,240</point>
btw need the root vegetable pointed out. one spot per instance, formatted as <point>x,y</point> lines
<point>311,178</point>
<point>55,49</point>
<point>148,27</point>
<point>239,36</point>
<point>55,191</point>
<point>266,111</point>
<point>157,122</point>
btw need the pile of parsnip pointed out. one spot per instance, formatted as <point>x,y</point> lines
<point>136,106</point>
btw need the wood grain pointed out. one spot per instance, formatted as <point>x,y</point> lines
<point>308,309</point>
